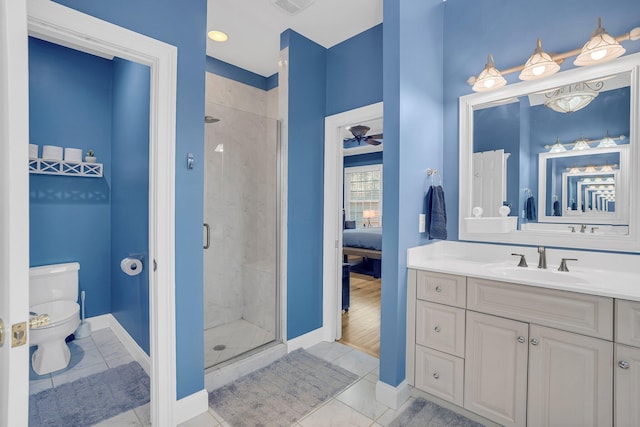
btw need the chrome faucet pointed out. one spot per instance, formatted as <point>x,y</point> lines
<point>583,227</point>
<point>542,261</point>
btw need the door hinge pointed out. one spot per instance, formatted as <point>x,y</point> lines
<point>19,334</point>
<point>155,265</point>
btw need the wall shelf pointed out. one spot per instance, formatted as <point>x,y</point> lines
<point>61,167</point>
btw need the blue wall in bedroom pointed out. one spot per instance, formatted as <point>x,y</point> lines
<point>182,24</point>
<point>130,197</point>
<point>307,88</point>
<point>70,217</point>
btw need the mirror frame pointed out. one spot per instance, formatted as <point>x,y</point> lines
<point>623,243</point>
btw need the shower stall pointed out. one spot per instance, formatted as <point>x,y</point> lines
<point>241,294</point>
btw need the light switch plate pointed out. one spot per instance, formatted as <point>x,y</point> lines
<point>421,223</point>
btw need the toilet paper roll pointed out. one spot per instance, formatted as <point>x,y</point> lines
<point>131,266</point>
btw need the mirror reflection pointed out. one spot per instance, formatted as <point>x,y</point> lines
<point>555,156</point>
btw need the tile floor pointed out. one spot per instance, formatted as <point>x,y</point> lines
<point>238,337</point>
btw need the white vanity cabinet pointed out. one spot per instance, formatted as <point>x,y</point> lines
<point>532,356</point>
<point>627,359</point>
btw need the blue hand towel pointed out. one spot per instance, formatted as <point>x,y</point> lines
<point>530,208</point>
<point>436,213</point>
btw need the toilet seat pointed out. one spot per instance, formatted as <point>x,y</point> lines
<point>59,312</point>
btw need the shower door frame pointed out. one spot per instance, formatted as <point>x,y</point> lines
<point>58,24</point>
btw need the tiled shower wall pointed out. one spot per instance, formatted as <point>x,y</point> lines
<point>240,204</point>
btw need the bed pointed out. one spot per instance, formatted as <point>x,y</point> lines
<point>364,242</point>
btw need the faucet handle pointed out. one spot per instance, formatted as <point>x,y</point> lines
<point>563,264</point>
<point>593,229</point>
<point>572,228</point>
<point>523,261</point>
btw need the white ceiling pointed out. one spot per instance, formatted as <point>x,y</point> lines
<point>254,28</point>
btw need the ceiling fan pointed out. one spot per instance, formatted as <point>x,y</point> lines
<point>359,133</point>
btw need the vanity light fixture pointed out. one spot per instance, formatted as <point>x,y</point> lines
<point>607,142</point>
<point>580,145</point>
<point>490,78</point>
<point>218,36</point>
<point>539,65</point>
<point>557,147</point>
<point>601,47</point>
<point>590,169</point>
<point>606,168</point>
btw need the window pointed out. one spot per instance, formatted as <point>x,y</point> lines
<point>363,192</point>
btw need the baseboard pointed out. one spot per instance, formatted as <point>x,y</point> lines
<point>130,344</point>
<point>99,322</point>
<point>307,340</point>
<point>191,406</point>
<point>391,396</point>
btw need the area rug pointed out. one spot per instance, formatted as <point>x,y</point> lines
<point>281,393</point>
<point>91,399</point>
<point>422,413</point>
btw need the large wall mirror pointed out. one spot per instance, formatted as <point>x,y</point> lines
<point>562,153</point>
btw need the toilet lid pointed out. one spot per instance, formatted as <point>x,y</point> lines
<point>58,311</point>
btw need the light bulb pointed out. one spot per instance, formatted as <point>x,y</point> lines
<point>489,83</point>
<point>539,70</point>
<point>598,54</point>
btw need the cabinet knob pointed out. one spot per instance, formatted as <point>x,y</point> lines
<point>521,339</point>
<point>534,341</point>
<point>437,329</point>
<point>438,288</point>
<point>436,375</point>
<point>623,364</point>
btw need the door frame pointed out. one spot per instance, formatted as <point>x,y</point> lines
<point>67,27</point>
<point>332,229</point>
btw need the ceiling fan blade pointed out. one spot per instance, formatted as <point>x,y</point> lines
<point>373,142</point>
<point>376,136</point>
<point>349,140</point>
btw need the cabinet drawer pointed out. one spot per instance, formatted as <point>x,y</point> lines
<point>440,327</point>
<point>570,311</point>
<point>628,322</point>
<point>440,374</point>
<point>442,288</point>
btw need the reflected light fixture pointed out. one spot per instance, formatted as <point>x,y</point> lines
<point>490,78</point>
<point>539,65</point>
<point>580,145</point>
<point>571,98</point>
<point>557,147</point>
<point>590,169</point>
<point>607,142</point>
<point>218,36</point>
<point>601,47</point>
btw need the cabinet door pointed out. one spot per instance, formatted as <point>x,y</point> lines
<point>570,379</point>
<point>627,390</point>
<point>496,368</point>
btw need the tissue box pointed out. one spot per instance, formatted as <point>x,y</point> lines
<point>52,152</point>
<point>33,151</point>
<point>491,224</point>
<point>73,155</point>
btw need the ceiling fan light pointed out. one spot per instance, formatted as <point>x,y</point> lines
<point>539,65</point>
<point>490,78</point>
<point>601,47</point>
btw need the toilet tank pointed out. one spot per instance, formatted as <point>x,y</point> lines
<point>53,282</point>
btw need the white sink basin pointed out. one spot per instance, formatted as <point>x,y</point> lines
<point>550,275</point>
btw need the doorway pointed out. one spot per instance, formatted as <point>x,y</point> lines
<point>58,24</point>
<point>333,253</point>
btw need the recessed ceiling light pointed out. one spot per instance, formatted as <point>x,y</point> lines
<point>218,36</point>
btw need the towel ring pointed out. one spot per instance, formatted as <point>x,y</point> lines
<point>432,172</point>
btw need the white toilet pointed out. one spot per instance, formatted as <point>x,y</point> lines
<point>53,290</point>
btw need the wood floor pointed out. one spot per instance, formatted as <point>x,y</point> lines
<point>361,324</point>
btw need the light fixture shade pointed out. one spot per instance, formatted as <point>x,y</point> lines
<point>573,97</point>
<point>606,168</point>
<point>601,47</point>
<point>539,65</point>
<point>607,142</point>
<point>590,169</point>
<point>557,147</point>
<point>490,78</point>
<point>580,145</point>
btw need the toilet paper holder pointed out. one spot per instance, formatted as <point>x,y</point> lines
<point>133,264</point>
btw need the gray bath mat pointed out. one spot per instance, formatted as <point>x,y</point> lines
<point>91,399</point>
<point>422,413</point>
<point>280,393</point>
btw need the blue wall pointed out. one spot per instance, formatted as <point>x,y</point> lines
<point>130,197</point>
<point>182,24</point>
<point>307,88</point>
<point>224,69</point>
<point>70,217</point>
<point>363,159</point>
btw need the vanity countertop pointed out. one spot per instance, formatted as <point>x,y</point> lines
<point>596,273</point>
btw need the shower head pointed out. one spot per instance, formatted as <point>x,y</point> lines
<point>210,119</point>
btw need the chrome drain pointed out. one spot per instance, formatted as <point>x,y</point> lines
<point>219,347</point>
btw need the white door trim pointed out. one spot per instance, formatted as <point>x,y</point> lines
<point>14,213</point>
<point>61,25</point>
<point>332,231</point>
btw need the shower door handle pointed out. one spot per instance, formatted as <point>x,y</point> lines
<point>208,240</point>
